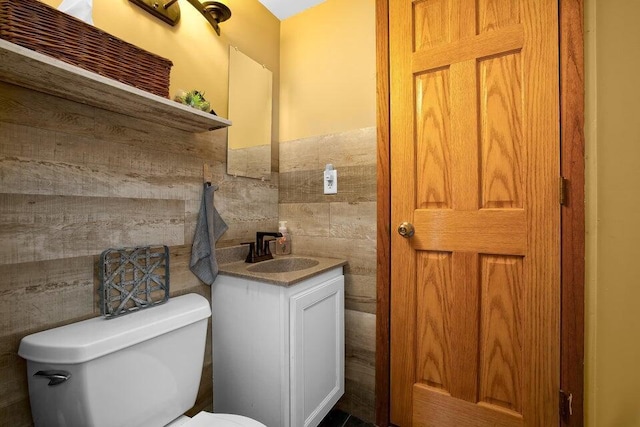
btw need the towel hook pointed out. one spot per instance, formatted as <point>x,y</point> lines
<point>206,174</point>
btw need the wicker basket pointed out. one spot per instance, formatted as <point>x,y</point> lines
<point>37,26</point>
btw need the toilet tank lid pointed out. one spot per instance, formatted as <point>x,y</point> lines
<point>89,339</point>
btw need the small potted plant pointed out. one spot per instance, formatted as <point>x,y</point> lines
<point>194,99</point>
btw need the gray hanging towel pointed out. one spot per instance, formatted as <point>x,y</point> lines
<point>209,228</point>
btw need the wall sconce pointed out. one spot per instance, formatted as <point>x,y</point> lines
<point>169,11</point>
<point>213,11</point>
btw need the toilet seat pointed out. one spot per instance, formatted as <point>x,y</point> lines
<point>207,419</point>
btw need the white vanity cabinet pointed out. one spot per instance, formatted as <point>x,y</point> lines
<point>278,351</point>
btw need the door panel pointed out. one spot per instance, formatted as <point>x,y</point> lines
<point>431,23</point>
<point>501,131</point>
<point>433,128</point>
<point>496,14</point>
<point>501,331</point>
<point>474,167</point>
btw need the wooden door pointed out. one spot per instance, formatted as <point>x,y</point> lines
<point>475,293</point>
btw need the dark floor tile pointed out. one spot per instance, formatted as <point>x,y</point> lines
<point>335,418</point>
<point>357,422</point>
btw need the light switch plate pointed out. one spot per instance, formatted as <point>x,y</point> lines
<point>330,181</point>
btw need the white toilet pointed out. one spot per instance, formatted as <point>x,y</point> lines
<point>141,369</point>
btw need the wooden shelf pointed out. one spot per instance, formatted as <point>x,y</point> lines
<point>33,70</point>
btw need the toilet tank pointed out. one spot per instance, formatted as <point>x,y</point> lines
<point>141,369</point>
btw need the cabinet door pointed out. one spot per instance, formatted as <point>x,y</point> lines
<point>317,351</point>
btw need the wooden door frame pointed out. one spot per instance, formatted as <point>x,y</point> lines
<point>573,211</point>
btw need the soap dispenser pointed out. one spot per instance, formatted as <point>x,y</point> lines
<point>283,244</point>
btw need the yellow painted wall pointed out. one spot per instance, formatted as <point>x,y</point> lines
<point>613,213</point>
<point>200,58</point>
<point>327,69</point>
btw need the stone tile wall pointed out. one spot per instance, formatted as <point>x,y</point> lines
<point>75,180</point>
<point>342,225</point>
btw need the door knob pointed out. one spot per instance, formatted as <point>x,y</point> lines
<point>406,230</point>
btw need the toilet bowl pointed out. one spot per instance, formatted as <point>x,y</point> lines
<point>206,419</point>
<point>138,370</point>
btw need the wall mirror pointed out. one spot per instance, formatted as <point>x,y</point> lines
<point>250,103</point>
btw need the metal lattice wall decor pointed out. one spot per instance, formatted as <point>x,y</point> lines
<point>132,279</point>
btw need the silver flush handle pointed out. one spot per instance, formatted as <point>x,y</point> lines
<point>55,377</point>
